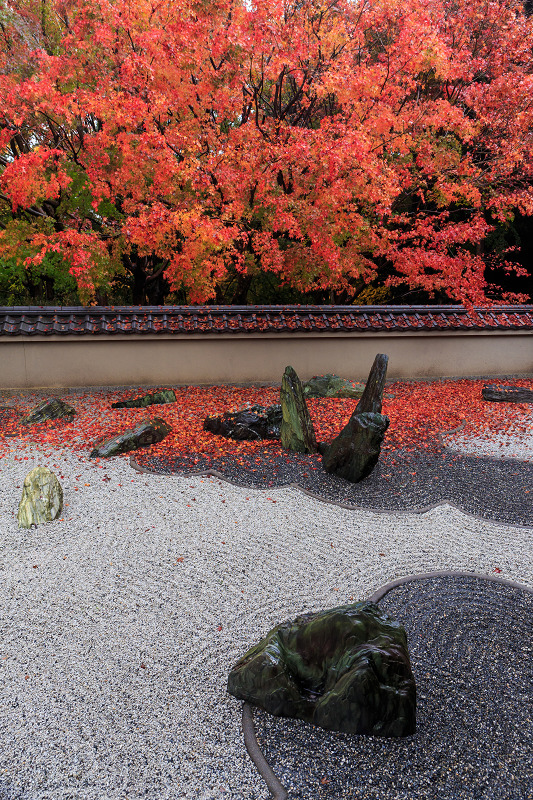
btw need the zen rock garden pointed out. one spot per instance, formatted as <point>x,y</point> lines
<point>352,455</point>
<point>355,451</point>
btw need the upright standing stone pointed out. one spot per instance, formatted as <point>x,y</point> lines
<point>355,452</point>
<point>42,498</point>
<point>372,399</point>
<point>297,432</point>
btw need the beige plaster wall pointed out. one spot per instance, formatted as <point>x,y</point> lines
<point>63,361</point>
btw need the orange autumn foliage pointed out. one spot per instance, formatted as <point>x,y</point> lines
<point>314,140</point>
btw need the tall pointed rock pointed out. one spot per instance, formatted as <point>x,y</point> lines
<point>297,432</point>
<point>354,453</point>
<point>372,399</point>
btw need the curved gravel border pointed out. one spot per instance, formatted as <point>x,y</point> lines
<point>127,614</point>
<point>484,487</point>
<point>278,791</point>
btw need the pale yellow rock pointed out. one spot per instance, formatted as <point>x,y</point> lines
<point>42,498</point>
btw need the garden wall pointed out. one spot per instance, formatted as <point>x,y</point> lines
<point>44,350</point>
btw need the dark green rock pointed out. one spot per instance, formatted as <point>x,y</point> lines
<point>49,409</point>
<point>372,399</point>
<point>355,452</point>
<point>296,432</point>
<point>345,669</point>
<point>42,498</point>
<point>151,399</point>
<point>332,386</point>
<point>149,431</point>
<point>256,422</point>
<point>507,394</point>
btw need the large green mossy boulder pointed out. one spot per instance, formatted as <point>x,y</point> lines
<point>296,431</point>
<point>255,422</point>
<point>149,431</point>
<point>354,453</point>
<point>345,669</point>
<point>151,399</point>
<point>332,386</point>
<point>42,498</point>
<point>49,409</point>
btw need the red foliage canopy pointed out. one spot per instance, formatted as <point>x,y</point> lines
<point>316,140</point>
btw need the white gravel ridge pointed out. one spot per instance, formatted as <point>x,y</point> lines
<point>120,622</point>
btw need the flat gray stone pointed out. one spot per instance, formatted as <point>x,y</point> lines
<point>255,422</point>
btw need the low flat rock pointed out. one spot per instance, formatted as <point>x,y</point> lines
<point>42,498</point>
<point>507,394</point>
<point>149,431</point>
<point>354,453</point>
<point>332,386</point>
<point>297,432</point>
<point>256,422</point>
<point>49,409</point>
<point>344,669</point>
<point>150,399</point>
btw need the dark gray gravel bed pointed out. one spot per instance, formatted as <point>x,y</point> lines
<point>495,489</point>
<point>471,653</point>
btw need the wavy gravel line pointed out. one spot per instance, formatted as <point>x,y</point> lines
<point>119,623</point>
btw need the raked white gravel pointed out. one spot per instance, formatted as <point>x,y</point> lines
<point>119,622</point>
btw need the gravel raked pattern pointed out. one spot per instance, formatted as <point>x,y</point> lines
<point>120,623</point>
<point>498,489</point>
<point>472,657</point>
<point>516,443</point>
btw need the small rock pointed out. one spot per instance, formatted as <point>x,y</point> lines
<point>42,498</point>
<point>153,398</point>
<point>355,451</point>
<point>507,394</point>
<point>297,432</point>
<point>256,422</point>
<point>49,409</point>
<point>332,386</point>
<point>149,431</point>
<point>345,669</point>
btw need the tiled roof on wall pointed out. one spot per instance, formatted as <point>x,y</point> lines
<point>41,321</point>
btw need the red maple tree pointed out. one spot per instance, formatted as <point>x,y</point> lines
<point>319,141</point>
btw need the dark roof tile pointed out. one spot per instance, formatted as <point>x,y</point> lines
<point>37,321</point>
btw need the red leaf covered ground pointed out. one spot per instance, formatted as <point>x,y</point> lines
<point>418,413</point>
